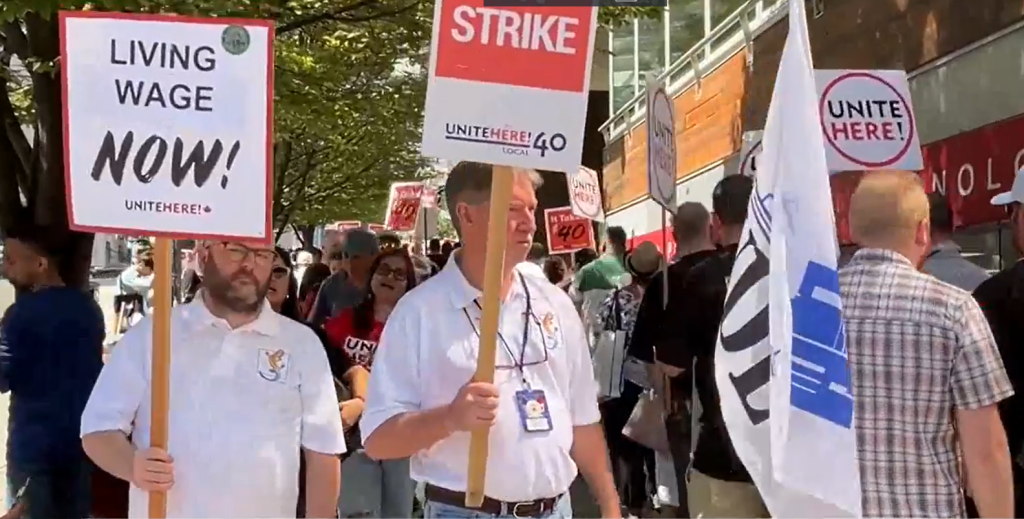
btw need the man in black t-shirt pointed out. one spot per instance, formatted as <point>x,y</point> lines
<point>657,329</point>
<point>718,484</point>
<point>1001,297</point>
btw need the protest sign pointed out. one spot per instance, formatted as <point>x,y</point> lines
<point>749,152</point>
<point>343,226</point>
<point>661,145</point>
<point>334,233</point>
<point>429,197</point>
<point>585,194</point>
<point>184,105</point>
<point>168,124</point>
<point>404,206</point>
<point>566,231</point>
<point>528,112</point>
<point>868,120</point>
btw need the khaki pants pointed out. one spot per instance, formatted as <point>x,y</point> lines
<point>709,497</point>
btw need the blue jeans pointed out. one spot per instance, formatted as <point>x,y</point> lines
<point>435,510</point>
<point>372,488</point>
<point>63,492</point>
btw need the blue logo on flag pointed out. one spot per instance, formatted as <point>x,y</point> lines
<point>820,378</point>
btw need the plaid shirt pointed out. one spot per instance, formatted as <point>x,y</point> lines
<point>919,349</point>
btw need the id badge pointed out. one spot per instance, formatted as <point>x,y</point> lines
<point>533,410</point>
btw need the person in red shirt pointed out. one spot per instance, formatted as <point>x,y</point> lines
<point>373,488</point>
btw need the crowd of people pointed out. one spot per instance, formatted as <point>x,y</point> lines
<point>320,385</point>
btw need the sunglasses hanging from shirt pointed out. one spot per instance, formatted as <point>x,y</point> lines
<point>532,405</point>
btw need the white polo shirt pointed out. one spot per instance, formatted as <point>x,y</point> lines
<point>531,269</point>
<point>429,350</point>
<point>241,403</point>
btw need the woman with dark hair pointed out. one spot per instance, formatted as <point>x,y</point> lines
<point>372,488</point>
<point>350,379</point>
<point>309,287</point>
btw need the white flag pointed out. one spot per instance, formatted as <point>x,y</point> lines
<point>781,365</point>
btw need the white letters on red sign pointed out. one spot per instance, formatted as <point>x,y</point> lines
<point>966,178</point>
<point>517,30</point>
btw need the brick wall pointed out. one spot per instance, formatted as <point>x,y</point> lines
<point>895,34</point>
<point>707,131</point>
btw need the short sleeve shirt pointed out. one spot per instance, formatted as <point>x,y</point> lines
<point>919,349</point>
<point>244,402</point>
<point>428,351</point>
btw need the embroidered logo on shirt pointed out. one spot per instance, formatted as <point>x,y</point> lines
<point>549,325</point>
<point>272,365</point>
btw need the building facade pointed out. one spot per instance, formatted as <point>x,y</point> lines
<point>966,75</point>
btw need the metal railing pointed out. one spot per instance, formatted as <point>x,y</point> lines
<point>689,68</point>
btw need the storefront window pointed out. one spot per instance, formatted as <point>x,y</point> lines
<point>721,9</point>
<point>652,45</point>
<point>624,77</point>
<point>686,26</point>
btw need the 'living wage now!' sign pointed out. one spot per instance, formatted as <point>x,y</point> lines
<point>508,85</point>
<point>167,124</point>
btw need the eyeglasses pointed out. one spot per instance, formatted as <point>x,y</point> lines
<point>385,270</point>
<point>239,253</point>
<point>280,272</point>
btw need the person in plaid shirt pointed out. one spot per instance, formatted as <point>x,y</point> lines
<point>926,371</point>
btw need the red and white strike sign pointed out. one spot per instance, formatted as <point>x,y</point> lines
<point>567,232</point>
<point>509,85</point>
<point>404,206</point>
<point>868,120</point>
<point>585,194</point>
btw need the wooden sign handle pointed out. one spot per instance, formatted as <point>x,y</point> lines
<point>497,234</point>
<point>160,384</point>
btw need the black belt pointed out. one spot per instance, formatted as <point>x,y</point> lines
<point>535,508</point>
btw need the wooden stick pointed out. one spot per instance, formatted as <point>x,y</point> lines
<point>497,234</point>
<point>161,366</point>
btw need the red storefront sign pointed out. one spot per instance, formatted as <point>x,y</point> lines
<point>969,168</point>
<point>972,167</point>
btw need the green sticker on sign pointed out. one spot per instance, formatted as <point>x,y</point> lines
<point>235,39</point>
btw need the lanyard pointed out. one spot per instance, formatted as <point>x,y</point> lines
<point>519,364</point>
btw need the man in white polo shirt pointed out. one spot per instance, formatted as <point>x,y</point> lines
<point>249,389</point>
<point>542,409</point>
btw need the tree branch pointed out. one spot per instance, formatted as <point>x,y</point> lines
<point>330,14</point>
<point>282,156</point>
<point>14,40</point>
<point>280,228</point>
<point>11,209</point>
<point>376,16</point>
<point>47,202</point>
<point>12,128</point>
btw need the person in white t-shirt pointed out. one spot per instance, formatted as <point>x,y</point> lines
<point>249,391</point>
<point>541,410</point>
